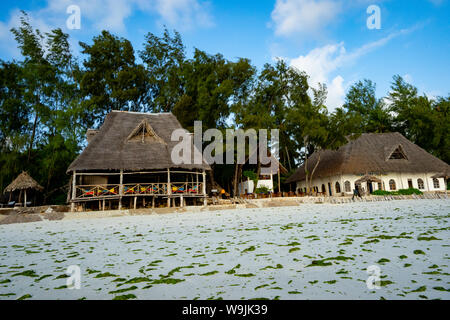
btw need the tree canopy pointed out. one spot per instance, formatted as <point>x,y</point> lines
<point>49,98</point>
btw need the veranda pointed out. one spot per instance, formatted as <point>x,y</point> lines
<point>132,190</point>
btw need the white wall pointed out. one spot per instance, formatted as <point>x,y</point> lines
<point>401,182</point>
<point>249,184</point>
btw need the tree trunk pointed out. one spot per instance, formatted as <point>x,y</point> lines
<point>211,176</point>
<point>315,167</point>
<point>32,136</point>
<point>289,158</point>
<point>305,142</point>
<point>235,180</point>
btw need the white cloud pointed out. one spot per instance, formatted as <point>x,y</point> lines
<point>97,15</point>
<point>183,13</point>
<point>303,16</point>
<point>322,63</point>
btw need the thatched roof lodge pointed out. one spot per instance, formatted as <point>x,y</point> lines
<point>23,183</point>
<point>374,161</point>
<point>129,159</point>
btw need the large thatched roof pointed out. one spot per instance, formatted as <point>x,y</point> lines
<point>23,181</point>
<point>132,141</point>
<point>372,153</point>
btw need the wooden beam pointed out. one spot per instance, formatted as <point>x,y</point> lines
<point>204,187</point>
<point>169,188</point>
<point>120,189</point>
<point>74,191</point>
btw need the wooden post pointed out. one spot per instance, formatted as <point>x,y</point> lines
<point>153,202</point>
<point>74,191</point>
<point>120,189</point>
<point>204,187</point>
<point>135,202</point>
<point>103,205</point>
<point>279,180</point>
<point>25,198</point>
<point>169,188</point>
<point>181,201</point>
<point>143,201</point>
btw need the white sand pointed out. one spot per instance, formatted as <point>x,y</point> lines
<point>215,242</point>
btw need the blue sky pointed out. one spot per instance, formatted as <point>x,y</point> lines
<point>327,38</point>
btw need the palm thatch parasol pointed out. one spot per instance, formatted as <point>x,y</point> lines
<point>23,182</point>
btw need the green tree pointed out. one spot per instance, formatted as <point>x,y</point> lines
<point>111,78</point>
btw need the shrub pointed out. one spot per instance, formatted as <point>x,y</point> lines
<point>403,192</point>
<point>263,190</point>
<point>380,193</point>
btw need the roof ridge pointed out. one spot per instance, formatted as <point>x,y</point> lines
<point>137,112</point>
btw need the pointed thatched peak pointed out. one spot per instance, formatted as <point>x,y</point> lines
<point>23,181</point>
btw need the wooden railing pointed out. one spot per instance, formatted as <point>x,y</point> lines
<point>95,191</point>
<point>104,191</point>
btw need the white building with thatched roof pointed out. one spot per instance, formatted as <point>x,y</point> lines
<point>374,161</point>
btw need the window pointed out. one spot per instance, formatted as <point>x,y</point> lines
<point>436,183</point>
<point>380,186</point>
<point>338,187</point>
<point>392,185</point>
<point>420,184</point>
<point>398,154</point>
<point>348,186</point>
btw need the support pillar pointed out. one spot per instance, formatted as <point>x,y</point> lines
<point>204,188</point>
<point>74,191</point>
<point>120,189</point>
<point>169,188</point>
<point>153,202</point>
<point>135,203</point>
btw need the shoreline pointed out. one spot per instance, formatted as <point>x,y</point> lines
<point>17,216</point>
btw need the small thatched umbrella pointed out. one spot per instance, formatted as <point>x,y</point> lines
<point>23,182</point>
<point>445,174</point>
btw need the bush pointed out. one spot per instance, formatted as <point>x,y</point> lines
<point>403,192</point>
<point>381,193</point>
<point>263,190</point>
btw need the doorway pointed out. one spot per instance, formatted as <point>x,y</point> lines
<point>410,184</point>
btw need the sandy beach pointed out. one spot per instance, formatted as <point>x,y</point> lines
<point>310,251</point>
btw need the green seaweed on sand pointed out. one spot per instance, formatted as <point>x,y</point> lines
<point>27,273</point>
<point>125,297</point>
<point>105,274</point>
<point>123,290</point>
<point>209,273</point>
<point>167,281</point>
<point>427,238</point>
<point>249,249</point>
<point>383,260</point>
<point>233,270</point>
<point>319,263</point>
